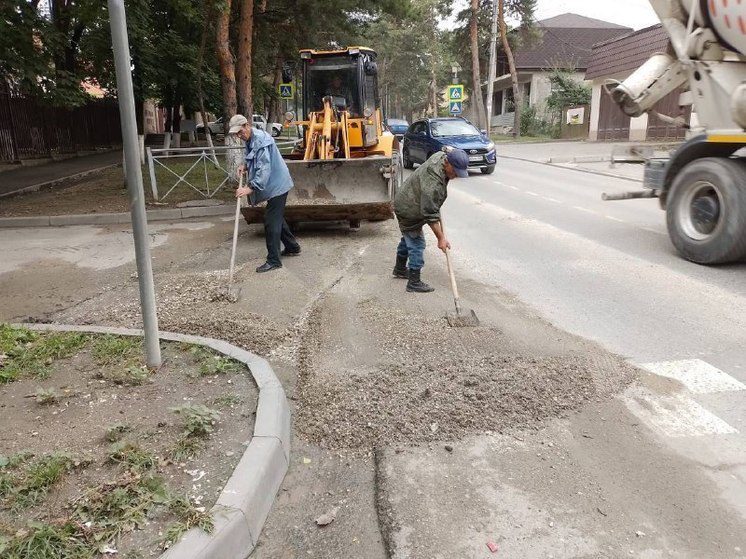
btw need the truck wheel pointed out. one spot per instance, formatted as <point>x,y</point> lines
<point>706,211</point>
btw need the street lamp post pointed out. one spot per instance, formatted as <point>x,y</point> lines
<point>133,176</point>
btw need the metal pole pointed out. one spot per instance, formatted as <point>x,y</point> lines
<point>493,66</point>
<point>120,43</point>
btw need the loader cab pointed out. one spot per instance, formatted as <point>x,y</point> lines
<point>350,78</point>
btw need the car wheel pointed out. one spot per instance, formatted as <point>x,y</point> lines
<point>407,161</point>
<point>275,132</point>
<point>488,170</point>
<point>706,211</point>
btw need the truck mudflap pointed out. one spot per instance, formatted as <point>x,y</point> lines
<point>338,190</point>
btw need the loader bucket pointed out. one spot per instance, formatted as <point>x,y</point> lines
<point>337,190</point>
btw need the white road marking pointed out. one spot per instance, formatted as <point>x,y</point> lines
<point>584,210</point>
<point>612,218</point>
<point>675,416</point>
<point>698,376</point>
<point>531,193</point>
<point>515,188</point>
<point>552,200</point>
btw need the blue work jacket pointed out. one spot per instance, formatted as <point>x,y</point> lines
<point>266,170</point>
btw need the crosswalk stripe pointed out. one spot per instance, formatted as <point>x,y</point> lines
<point>675,416</point>
<point>699,377</point>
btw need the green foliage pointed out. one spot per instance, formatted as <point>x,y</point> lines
<point>61,540</point>
<point>29,481</point>
<point>115,432</point>
<point>120,506</point>
<point>190,516</point>
<point>186,448</point>
<point>23,352</point>
<point>46,396</point>
<point>566,92</point>
<point>133,375</point>
<point>227,400</point>
<point>110,349</point>
<point>132,456</point>
<point>199,420</point>
<point>211,363</point>
<point>533,125</point>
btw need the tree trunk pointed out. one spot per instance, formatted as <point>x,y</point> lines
<point>274,103</point>
<point>517,95</point>
<point>243,58</point>
<point>492,70</point>
<point>475,73</point>
<point>226,64</point>
<point>206,24</point>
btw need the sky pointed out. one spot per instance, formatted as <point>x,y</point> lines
<point>630,13</point>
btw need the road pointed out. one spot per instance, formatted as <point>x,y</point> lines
<point>606,271</point>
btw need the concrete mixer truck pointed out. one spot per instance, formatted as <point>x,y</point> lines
<point>702,185</point>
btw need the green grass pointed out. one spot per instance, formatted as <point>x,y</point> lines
<point>199,420</point>
<point>110,349</point>
<point>211,363</point>
<point>185,449</point>
<point>504,139</point>
<point>46,396</point>
<point>189,517</point>
<point>227,400</point>
<point>62,540</point>
<point>27,481</point>
<point>23,352</point>
<point>133,375</point>
<point>132,456</point>
<point>117,431</point>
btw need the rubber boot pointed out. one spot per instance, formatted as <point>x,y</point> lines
<point>400,270</point>
<point>415,285</point>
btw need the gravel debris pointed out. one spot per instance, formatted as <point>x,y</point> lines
<point>429,382</point>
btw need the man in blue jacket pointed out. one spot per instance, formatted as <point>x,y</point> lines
<point>268,180</point>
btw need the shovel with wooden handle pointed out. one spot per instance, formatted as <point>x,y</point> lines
<point>231,293</point>
<point>462,317</point>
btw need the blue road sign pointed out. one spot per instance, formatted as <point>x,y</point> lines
<point>456,92</point>
<point>455,107</point>
<point>285,90</point>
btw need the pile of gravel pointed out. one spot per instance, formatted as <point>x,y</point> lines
<point>194,304</point>
<point>429,382</point>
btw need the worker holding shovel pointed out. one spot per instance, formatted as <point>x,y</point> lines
<point>268,180</point>
<point>417,203</point>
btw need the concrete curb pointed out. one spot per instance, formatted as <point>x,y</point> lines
<point>47,184</point>
<point>549,163</point>
<point>245,502</point>
<point>170,214</point>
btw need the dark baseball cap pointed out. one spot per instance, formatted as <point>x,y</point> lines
<point>459,161</point>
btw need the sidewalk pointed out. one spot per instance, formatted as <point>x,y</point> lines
<point>25,178</point>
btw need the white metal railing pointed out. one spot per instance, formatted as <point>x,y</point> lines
<point>205,159</point>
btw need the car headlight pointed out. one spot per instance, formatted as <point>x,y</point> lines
<point>490,146</point>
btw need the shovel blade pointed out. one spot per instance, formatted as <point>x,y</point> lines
<point>466,318</point>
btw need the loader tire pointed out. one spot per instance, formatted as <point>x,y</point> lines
<point>706,211</point>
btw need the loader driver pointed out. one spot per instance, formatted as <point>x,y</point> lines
<point>268,180</point>
<point>417,203</point>
<point>337,89</point>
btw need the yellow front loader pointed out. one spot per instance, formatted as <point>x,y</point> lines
<point>345,167</point>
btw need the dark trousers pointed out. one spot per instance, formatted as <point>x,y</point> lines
<point>276,229</point>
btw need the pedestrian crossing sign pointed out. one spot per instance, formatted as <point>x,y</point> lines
<point>285,90</point>
<point>456,92</point>
<point>455,107</point>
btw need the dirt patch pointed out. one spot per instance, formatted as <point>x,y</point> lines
<point>115,423</point>
<point>102,192</point>
<point>424,381</point>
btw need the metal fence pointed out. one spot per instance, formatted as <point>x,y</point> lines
<point>29,129</point>
<point>200,168</point>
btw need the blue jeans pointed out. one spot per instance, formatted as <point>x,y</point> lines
<point>412,246</point>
